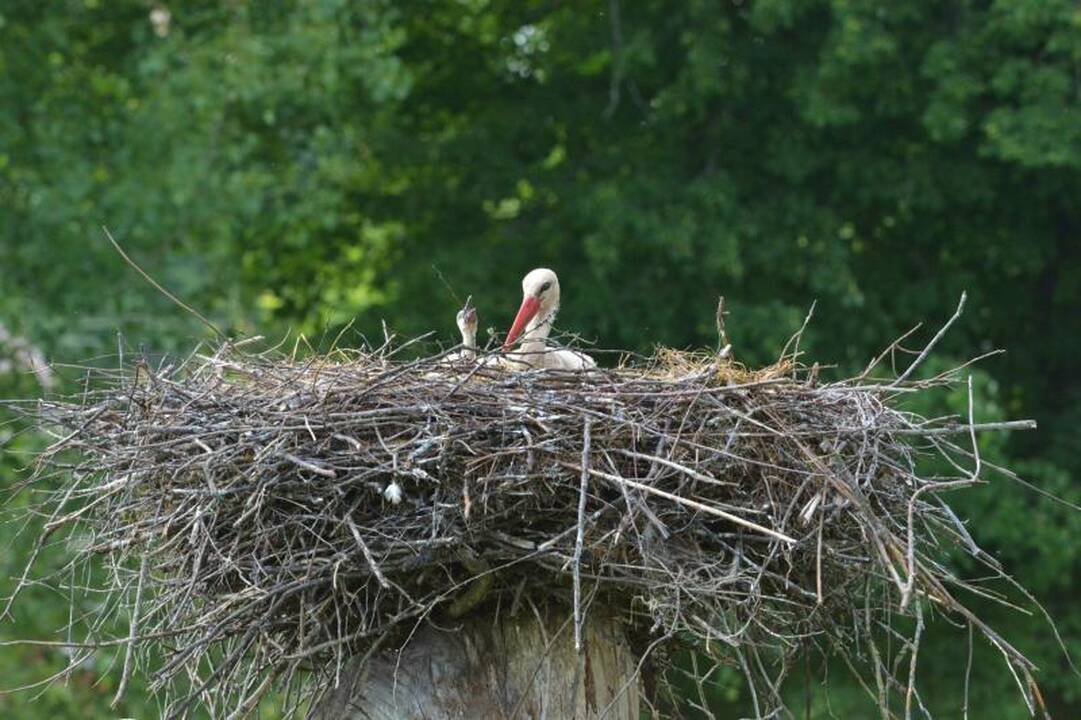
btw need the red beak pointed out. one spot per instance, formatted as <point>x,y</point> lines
<point>530,306</point>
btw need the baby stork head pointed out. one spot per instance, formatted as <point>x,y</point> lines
<point>467,318</point>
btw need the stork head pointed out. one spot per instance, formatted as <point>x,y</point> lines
<point>467,318</point>
<point>540,300</point>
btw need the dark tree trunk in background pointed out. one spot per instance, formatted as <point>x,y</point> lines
<point>523,667</point>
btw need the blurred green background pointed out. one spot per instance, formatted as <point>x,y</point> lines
<point>294,165</point>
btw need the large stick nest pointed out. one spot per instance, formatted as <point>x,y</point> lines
<point>265,520</point>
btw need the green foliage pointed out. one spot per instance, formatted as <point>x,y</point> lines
<point>296,165</point>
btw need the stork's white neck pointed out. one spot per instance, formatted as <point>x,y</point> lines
<point>535,337</point>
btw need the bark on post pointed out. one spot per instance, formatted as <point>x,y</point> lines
<point>523,667</point>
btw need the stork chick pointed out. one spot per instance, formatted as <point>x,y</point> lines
<point>462,359</point>
<point>467,325</point>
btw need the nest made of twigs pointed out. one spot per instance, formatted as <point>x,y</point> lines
<point>267,519</point>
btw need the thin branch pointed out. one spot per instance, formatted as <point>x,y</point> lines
<point>934,341</point>
<point>154,283</point>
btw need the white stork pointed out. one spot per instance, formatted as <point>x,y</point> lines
<point>540,302</point>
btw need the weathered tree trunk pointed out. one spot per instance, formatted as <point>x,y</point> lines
<point>485,669</point>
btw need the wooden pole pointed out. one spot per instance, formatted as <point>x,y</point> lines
<point>496,669</point>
